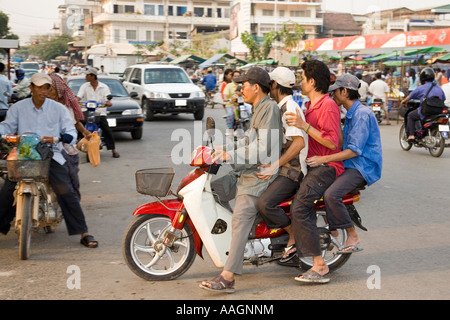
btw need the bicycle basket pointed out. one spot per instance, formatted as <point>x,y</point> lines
<point>28,169</point>
<point>154,182</point>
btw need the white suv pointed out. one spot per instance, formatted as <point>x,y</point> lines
<point>164,89</point>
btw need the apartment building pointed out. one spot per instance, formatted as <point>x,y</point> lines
<point>144,21</point>
<point>259,17</point>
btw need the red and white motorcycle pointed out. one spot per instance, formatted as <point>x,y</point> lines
<point>162,241</point>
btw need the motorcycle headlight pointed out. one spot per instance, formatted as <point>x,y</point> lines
<point>131,112</point>
<point>91,105</point>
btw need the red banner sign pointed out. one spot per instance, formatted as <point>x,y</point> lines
<point>435,37</point>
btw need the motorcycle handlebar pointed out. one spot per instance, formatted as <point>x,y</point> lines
<point>13,138</point>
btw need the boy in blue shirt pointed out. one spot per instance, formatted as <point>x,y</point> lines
<point>361,153</point>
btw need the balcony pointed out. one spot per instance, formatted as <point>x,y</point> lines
<point>106,18</point>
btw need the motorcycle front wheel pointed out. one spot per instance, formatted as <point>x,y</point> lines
<point>25,227</point>
<point>403,138</point>
<point>145,253</point>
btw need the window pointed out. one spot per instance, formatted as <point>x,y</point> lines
<point>199,12</point>
<point>148,36</point>
<point>170,10</point>
<point>117,35</point>
<point>129,9</point>
<point>158,35</point>
<point>160,10</point>
<point>181,11</point>
<point>267,13</point>
<point>131,34</point>
<point>149,9</point>
<point>306,13</point>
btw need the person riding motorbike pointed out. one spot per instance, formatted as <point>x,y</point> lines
<point>361,153</point>
<point>45,117</point>
<point>98,91</point>
<point>5,88</point>
<point>426,78</point>
<point>291,163</point>
<point>22,86</point>
<point>323,127</point>
<point>243,181</point>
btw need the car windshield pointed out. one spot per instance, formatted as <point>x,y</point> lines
<point>30,65</point>
<point>115,86</point>
<point>165,75</point>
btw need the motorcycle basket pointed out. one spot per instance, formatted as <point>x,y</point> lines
<point>28,169</point>
<point>154,182</point>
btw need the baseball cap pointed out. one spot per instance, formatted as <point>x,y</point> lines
<point>39,79</point>
<point>91,71</point>
<point>346,80</point>
<point>257,75</point>
<point>283,76</point>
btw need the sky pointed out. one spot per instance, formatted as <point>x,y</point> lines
<point>37,17</point>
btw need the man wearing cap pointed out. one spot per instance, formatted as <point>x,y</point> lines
<point>262,145</point>
<point>361,153</point>
<point>45,117</point>
<point>291,163</point>
<point>322,124</point>
<point>98,91</point>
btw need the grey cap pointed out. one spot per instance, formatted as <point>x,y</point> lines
<point>346,80</point>
<point>256,74</point>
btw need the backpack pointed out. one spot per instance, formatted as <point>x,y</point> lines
<point>432,105</point>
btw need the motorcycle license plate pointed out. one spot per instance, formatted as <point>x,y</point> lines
<point>112,122</point>
<point>444,127</point>
<point>244,114</point>
<point>376,108</point>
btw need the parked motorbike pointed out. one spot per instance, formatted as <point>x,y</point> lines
<point>377,109</point>
<point>431,133</point>
<point>162,241</point>
<point>36,203</point>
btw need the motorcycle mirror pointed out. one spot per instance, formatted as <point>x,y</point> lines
<point>109,97</point>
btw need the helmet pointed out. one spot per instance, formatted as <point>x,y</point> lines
<point>20,73</point>
<point>426,75</point>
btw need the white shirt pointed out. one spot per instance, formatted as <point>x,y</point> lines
<point>446,89</point>
<point>293,131</point>
<point>379,88</point>
<point>87,92</point>
<point>363,89</point>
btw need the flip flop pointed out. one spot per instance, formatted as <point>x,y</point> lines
<point>89,241</point>
<point>312,276</point>
<point>219,284</point>
<point>290,255</point>
<point>354,250</point>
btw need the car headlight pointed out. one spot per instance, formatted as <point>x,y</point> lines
<point>198,94</point>
<point>159,95</point>
<point>131,112</point>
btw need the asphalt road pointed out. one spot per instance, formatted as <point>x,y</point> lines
<point>406,250</point>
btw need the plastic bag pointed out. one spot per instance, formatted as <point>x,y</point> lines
<point>27,147</point>
<point>93,149</point>
<point>82,145</point>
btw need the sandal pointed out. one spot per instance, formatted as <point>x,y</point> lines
<point>312,276</point>
<point>89,241</point>
<point>288,253</point>
<point>218,284</point>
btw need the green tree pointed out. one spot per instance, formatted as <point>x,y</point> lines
<point>47,48</point>
<point>252,45</point>
<point>4,28</point>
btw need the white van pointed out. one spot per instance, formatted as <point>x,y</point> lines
<point>164,89</point>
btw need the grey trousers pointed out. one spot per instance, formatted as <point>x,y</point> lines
<point>337,214</point>
<point>243,217</point>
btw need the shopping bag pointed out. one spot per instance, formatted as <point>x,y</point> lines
<point>93,149</point>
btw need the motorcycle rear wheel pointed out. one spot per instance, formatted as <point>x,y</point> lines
<point>25,227</point>
<point>143,248</point>
<point>437,151</point>
<point>330,246</point>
